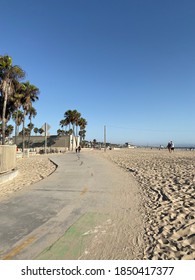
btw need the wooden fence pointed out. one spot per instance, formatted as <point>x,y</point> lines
<point>7,158</point>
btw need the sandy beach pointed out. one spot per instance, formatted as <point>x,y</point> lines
<point>167,184</point>
<point>167,188</point>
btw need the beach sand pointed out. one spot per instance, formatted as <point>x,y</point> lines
<point>30,170</point>
<point>167,186</point>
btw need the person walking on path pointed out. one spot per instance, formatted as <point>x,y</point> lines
<point>170,146</point>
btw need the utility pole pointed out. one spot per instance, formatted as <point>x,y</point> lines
<point>45,137</point>
<point>104,138</point>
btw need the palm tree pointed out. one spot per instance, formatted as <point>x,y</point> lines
<point>82,124</point>
<point>30,127</point>
<point>9,109</point>
<point>8,74</point>
<point>8,131</point>
<point>68,117</point>
<point>76,116</point>
<point>41,131</point>
<point>82,134</point>
<point>26,131</point>
<point>30,95</point>
<point>60,132</point>
<point>63,123</point>
<point>36,130</point>
<point>94,143</point>
<point>73,118</point>
<point>18,117</point>
<point>17,99</point>
<point>32,113</point>
<point>68,120</point>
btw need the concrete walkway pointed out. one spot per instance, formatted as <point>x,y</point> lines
<point>52,218</point>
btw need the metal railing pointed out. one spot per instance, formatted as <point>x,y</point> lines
<point>7,158</point>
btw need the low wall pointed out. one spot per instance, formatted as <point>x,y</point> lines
<point>7,158</point>
<point>50,150</point>
<point>36,151</point>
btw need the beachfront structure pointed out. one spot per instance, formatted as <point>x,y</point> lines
<point>53,142</point>
<point>129,145</point>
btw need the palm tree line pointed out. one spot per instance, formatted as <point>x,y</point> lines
<point>16,103</point>
<point>73,124</point>
<point>16,98</point>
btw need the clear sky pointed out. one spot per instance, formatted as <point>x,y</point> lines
<point>126,64</point>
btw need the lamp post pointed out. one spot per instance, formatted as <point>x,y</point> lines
<point>104,138</point>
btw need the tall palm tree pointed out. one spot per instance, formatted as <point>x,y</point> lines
<point>8,131</point>
<point>64,123</point>
<point>10,108</point>
<point>18,117</point>
<point>30,127</point>
<point>30,95</point>
<point>17,99</point>
<point>82,134</point>
<point>77,117</point>
<point>32,113</point>
<point>82,124</point>
<point>8,74</point>
<point>72,117</point>
<point>68,117</point>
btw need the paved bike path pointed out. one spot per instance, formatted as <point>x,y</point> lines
<point>58,210</point>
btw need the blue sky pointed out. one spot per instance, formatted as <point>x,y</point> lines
<point>126,64</point>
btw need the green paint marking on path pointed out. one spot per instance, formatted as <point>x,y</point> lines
<point>73,243</point>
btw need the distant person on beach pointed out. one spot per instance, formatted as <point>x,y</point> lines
<point>170,146</point>
<point>76,149</point>
<point>79,149</point>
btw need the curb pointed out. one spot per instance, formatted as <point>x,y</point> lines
<point>8,176</point>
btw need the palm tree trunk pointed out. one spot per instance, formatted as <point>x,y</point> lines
<point>23,131</point>
<point>16,127</point>
<point>3,118</point>
<point>73,136</point>
<point>6,90</point>
<point>29,133</point>
<point>29,138</point>
<point>15,133</point>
